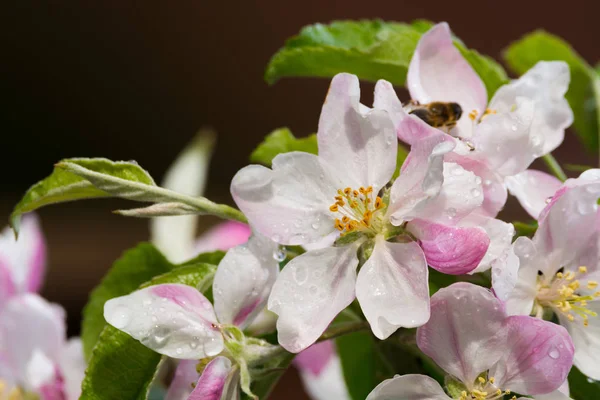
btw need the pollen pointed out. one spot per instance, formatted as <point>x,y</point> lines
<point>484,389</point>
<point>357,210</point>
<point>564,295</point>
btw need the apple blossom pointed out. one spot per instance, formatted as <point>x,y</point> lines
<point>486,353</point>
<point>178,321</point>
<point>305,198</point>
<point>525,119</point>
<point>321,372</point>
<point>558,270</point>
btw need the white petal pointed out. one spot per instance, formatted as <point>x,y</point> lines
<point>460,194</point>
<point>545,84</point>
<point>310,291</point>
<point>438,72</point>
<point>532,188</point>
<point>183,381</point>
<point>465,334</point>
<point>587,342</point>
<point>392,287</point>
<point>362,147</point>
<point>23,261</point>
<point>171,319</point>
<point>514,277</point>
<point>30,325</point>
<point>243,281</point>
<point>421,177</point>
<point>408,387</point>
<point>321,372</point>
<point>500,234</point>
<point>289,204</point>
<point>503,140</point>
<point>175,236</point>
<point>73,365</point>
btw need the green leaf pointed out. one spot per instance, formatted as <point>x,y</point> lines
<point>584,90</point>
<point>525,228</point>
<point>135,267</point>
<point>121,367</point>
<point>372,50</point>
<point>264,386</point>
<point>581,387</point>
<point>63,186</point>
<point>88,178</point>
<point>400,157</point>
<point>279,141</point>
<point>357,354</point>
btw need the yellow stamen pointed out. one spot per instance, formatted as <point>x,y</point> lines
<point>582,269</point>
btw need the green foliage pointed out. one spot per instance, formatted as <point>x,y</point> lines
<point>357,353</point>
<point>279,141</point>
<point>120,366</point>
<point>584,90</point>
<point>63,186</point>
<point>400,157</point>
<point>263,386</point>
<point>581,387</point>
<point>370,49</point>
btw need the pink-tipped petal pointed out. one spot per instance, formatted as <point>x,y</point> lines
<point>310,291</point>
<point>532,188</point>
<point>359,143</point>
<point>409,387</point>
<point>286,203</point>
<point>171,319</point>
<point>392,287</point>
<point>183,382</point>
<point>545,84</point>
<point>500,234</point>
<point>321,372</point>
<point>449,249</point>
<point>244,280</point>
<point>438,72</point>
<point>32,335</point>
<point>213,381</point>
<point>538,358</point>
<point>465,335</point>
<point>25,258</point>
<point>223,236</point>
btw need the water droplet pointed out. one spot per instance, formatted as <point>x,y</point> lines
<point>553,353</point>
<point>154,319</point>
<point>158,338</point>
<point>514,127</point>
<point>179,351</point>
<point>457,171</point>
<point>590,380</point>
<point>279,254</point>
<point>487,182</point>
<point>475,192</point>
<point>300,275</point>
<point>451,212</point>
<point>536,140</point>
<point>313,290</point>
<point>315,225</point>
<point>121,317</point>
<point>276,238</point>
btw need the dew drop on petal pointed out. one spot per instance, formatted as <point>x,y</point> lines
<point>475,192</point>
<point>553,353</point>
<point>514,128</point>
<point>279,254</point>
<point>300,275</point>
<point>122,317</point>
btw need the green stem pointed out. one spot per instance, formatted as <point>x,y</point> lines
<point>554,167</point>
<point>343,329</point>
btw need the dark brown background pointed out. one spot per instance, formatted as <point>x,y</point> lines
<point>136,79</point>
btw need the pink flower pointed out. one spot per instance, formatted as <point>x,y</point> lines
<point>483,350</point>
<point>306,198</point>
<point>321,372</point>
<point>559,269</point>
<point>178,321</point>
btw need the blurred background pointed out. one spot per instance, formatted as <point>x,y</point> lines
<point>134,80</point>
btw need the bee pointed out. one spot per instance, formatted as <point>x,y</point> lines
<point>437,114</point>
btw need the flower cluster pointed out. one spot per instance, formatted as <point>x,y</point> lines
<point>350,233</point>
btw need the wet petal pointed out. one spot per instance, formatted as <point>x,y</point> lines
<point>409,387</point>
<point>503,140</point>
<point>23,261</point>
<point>243,281</point>
<point>223,236</point>
<point>310,291</point>
<point>183,382</point>
<point>532,188</point>
<point>587,342</point>
<point>538,358</point>
<point>465,334</point>
<point>175,236</point>
<point>545,84</point>
<point>500,234</point>
<point>171,319</point>
<point>392,287</point>
<point>290,203</point>
<point>438,72</point>
<point>212,382</point>
<point>361,146</point>
<point>449,249</point>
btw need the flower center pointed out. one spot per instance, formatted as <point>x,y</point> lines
<point>484,390</point>
<point>358,210</point>
<point>562,295</point>
<point>10,393</point>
